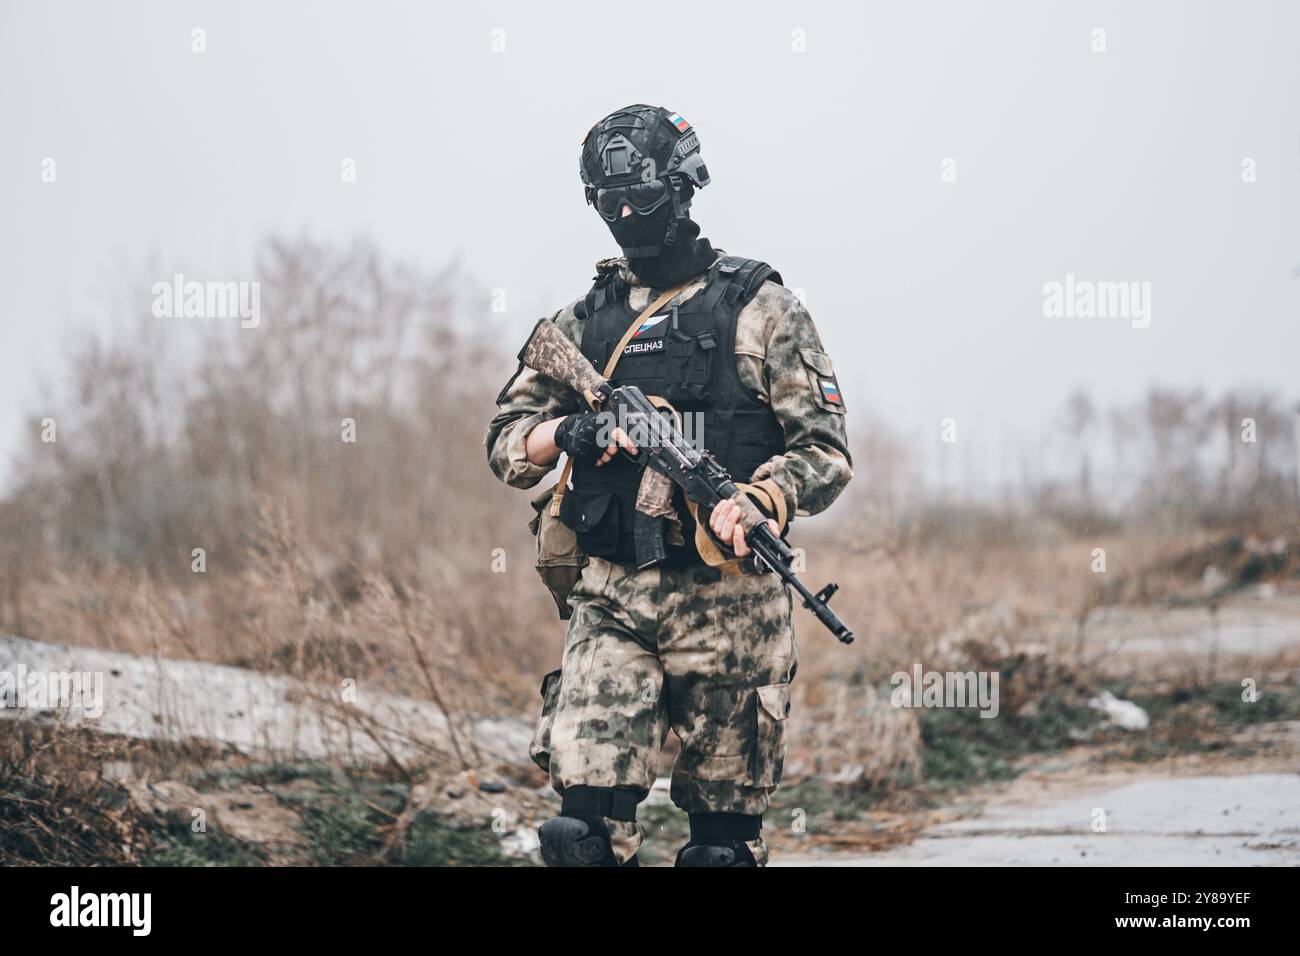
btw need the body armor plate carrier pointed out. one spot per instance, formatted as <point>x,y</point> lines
<point>687,356</point>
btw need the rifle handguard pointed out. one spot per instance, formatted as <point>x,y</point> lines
<point>750,516</point>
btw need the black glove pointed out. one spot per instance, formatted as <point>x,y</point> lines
<point>576,435</point>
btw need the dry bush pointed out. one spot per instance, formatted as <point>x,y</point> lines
<point>55,807</point>
<point>851,734</point>
<point>323,557</point>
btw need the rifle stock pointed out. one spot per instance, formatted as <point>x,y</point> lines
<point>549,351</point>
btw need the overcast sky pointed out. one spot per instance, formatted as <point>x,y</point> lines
<point>825,129</point>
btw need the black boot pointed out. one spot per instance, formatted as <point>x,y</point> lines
<point>718,839</point>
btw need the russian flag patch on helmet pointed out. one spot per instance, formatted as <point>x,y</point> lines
<point>680,122</point>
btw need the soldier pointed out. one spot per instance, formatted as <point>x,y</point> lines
<point>708,651</point>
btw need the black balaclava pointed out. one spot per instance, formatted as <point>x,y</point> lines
<point>652,260</point>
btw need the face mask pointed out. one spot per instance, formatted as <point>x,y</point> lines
<point>642,236</point>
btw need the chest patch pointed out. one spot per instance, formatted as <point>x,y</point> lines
<point>653,325</point>
<point>644,346</point>
<point>649,336</point>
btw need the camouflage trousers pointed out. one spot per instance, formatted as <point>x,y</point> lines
<point>708,655</point>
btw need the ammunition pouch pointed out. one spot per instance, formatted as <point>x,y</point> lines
<point>596,520</point>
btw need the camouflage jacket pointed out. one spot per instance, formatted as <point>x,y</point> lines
<point>779,356</point>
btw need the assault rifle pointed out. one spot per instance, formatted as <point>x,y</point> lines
<point>700,476</point>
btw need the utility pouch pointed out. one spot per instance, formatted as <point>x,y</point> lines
<point>595,520</point>
<point>559,558</point>
<point>690,364</point>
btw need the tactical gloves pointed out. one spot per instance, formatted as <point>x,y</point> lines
<point>577,435</point>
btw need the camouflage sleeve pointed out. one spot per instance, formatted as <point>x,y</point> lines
<point>530,399</point>
<point>798,380</point>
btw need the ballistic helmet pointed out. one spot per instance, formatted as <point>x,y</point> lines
<point>642,156</point>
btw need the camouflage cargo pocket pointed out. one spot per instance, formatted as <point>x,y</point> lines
<point>773,706</point>
<point>540,748</point>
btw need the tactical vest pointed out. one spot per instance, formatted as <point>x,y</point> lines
<point>687,355</point>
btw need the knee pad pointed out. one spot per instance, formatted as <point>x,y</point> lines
<point>718,839</point>
<point>575,841</point>
<point>579,836</point>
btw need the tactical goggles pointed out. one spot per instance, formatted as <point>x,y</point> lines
<point>644,198</point>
